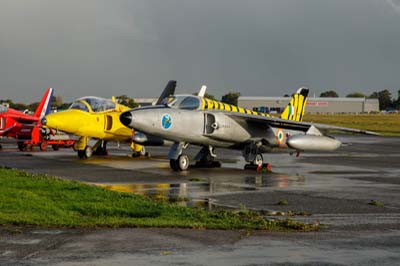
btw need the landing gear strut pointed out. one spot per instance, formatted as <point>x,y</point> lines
<point>252,155</point>
<point>100,148</point>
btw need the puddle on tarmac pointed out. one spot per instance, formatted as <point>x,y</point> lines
<point>183,194</point>
<point>200,194</point>
<point>22,241</point>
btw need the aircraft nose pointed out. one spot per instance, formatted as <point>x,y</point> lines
<point>126,118</point>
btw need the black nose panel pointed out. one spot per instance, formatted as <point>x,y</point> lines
<point>126,118</point>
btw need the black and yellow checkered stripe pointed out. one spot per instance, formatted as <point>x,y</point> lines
<point>295,109</point>
<point>207,104</point>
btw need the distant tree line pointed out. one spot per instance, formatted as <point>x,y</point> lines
<point>386,101</point>
<point>229,98</point>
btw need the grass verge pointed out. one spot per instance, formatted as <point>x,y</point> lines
<point>385,124</point>
<point>39,200</point>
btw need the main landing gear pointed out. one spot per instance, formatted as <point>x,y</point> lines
<point>138,150</point>
<point>206,158</point>
<point>85,151</point>
<point>255,160</point>
<point>179,161</point>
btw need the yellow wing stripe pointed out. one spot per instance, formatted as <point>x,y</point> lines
<point>207,104</point>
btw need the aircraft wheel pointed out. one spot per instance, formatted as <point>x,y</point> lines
<point>55,147</point>
<point>259,159</point>
<point>81,154</point>
<point>183,162</point>
<point>43,146</point>
<point>143,151</point>
<point>88,152</point>
<point>1,147</point>
<point>174,164</point>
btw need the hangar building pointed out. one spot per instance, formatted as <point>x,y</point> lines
<point>314,105</point>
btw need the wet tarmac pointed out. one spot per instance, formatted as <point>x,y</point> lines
<point>334,189</point>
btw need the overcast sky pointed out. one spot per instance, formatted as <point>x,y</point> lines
<point>256,47</point>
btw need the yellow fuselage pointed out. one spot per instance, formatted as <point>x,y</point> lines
<point>102,125</point>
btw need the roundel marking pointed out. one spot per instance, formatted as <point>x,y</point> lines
<point>166,121</point>
<point>280,136</point>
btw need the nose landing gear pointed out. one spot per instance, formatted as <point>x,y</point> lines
<point>177,159</point>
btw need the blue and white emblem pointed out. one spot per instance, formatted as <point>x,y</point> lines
<point>166,121</point>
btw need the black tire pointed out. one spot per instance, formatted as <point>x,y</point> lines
<point>143,151</point>
<point>55,147</point>
<point>21,146</point>
<point>259,160</point>
<point>81,155</point>
<point>88,152</point>
<point>43,146</point>
<point>1,147</point>
<point>183,162</point>
<point>174,164</point>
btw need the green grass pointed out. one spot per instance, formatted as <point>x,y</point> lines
<point>39,200</point>
<point>385,124</point>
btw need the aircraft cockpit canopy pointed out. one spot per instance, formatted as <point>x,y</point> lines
<point>187,102</point>
<point>93,104</point>
<point>3,109</point>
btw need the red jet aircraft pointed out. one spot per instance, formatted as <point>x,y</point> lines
<point>27,128</point>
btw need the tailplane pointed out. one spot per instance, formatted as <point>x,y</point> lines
<point>44,105</point>
<point>296,107</point>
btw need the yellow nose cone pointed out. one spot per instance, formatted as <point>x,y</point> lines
<point>68,121</point>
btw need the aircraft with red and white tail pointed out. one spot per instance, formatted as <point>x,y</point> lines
<point>26,128</point>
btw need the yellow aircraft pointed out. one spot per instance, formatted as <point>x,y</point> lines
<point>98,118</point>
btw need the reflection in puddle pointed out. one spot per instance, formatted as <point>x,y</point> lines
<point>278,180</point>
<point>199,194</point>
<point>179,194</point>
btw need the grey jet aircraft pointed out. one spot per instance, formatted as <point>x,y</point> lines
<point>189,119</point>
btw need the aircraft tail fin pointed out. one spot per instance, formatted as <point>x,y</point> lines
<point>296,107</point>
<point>44,105</point>
<point>168,91</point>
<point>202,91</point>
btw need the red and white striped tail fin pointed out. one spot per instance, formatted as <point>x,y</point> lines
<point>44,106</point>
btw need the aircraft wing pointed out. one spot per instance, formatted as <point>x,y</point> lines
<point>3,131</point>
<point>23,119</point>
<point>261,121</point>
